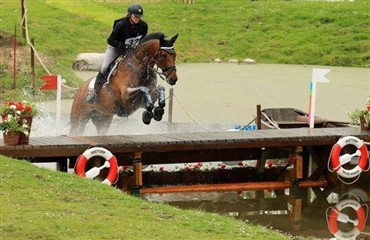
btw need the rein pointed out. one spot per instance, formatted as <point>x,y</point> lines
<point>165,71</point>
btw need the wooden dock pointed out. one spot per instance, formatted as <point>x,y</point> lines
<point>192,147</point>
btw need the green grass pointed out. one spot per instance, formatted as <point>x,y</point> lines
<point>43,204</point>
<point>285,32</point>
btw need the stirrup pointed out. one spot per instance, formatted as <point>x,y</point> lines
<point>91,97</point>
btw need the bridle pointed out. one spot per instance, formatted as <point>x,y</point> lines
<point>166,70</point>
<point>163,72</point>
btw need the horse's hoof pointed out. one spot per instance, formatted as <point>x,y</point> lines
<point>158,113</point>
<point>162,104</point>
<point>147,117</point>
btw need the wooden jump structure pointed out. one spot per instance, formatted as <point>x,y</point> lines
<point>138,150</point>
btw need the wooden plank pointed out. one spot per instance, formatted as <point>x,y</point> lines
<point>45,146</point>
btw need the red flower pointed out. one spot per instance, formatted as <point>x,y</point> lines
<point>124,168</point>
<point>19,106</point>
<point>269,164</point>
<point>27,108</point>
<point>161,168</point>
<point>196,166</point>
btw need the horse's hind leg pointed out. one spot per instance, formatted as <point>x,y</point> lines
<point>102,122</point>
<point>159,111</point>
<point>78,122</point>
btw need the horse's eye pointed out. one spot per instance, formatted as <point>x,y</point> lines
<point>163,55</point>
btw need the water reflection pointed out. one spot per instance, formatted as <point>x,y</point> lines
<point>339,213</point>
<point>346,220</point>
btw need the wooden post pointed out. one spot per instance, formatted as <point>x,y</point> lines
<point>14,58</point>
<point>62,165</point>
<point>297,173</point>
<point>170,106</point>
<point>258,120</point>
<point>138,174</point>
<point>296,213</point>
<point>32,68</point>
<point>23,20</point>
<point>298,166</point>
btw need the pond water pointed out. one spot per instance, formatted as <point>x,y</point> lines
<point>310,212</point>
<point>217,97</point>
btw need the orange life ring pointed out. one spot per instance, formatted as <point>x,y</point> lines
<point>101,152</point>
<point>358,223</point>
<point>335,157</point>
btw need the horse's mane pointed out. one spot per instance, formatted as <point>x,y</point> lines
<point>151,36</point>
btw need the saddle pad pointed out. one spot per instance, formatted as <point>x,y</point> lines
<point>91,83</point>
<point>112,68</point>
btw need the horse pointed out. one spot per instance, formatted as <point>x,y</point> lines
<point>132,84</point>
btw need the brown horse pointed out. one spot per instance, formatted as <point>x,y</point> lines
<point>131,85</point>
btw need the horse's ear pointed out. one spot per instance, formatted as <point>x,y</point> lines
<point>173,39</point>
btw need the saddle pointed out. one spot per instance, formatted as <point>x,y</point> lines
<point>112,66</point>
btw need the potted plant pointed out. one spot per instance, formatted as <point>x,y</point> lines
<point>24,110</point>
<point>360,117</point>
<point>12,129</point>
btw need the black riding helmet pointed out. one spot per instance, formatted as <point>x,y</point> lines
<point>135,9</point>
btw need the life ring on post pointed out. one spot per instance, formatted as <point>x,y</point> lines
<point>336,215</point>
<point>111,163</point>
<point>336,157</point>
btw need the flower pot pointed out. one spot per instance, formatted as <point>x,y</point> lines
<point>24,139</point>
<point>11,138</point>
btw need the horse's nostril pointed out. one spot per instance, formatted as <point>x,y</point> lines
<point>173,81</point>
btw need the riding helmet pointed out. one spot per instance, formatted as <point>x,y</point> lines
<point>135,9</point>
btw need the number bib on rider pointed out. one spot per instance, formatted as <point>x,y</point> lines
<point>130,42</point>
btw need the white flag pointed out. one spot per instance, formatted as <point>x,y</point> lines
<point>318,75</point>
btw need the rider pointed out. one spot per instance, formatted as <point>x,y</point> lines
<point>126,33</point>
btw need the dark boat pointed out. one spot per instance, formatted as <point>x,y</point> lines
<point>293,118</point>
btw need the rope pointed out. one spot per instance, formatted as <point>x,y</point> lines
<point>187,113</point>
<point>24,19</point>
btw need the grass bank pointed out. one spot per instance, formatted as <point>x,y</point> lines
<point>283,32</point>
<point>42,204</point>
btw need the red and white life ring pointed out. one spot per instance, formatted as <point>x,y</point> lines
<point>335,157</point>
<point>336,214</point>
<point>111,162</point>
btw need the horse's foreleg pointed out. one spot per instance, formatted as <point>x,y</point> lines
<point>148,102</point>
<point>162,96</point>
<point>159,111</point>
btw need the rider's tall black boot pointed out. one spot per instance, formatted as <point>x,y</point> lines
<point>93,94</point>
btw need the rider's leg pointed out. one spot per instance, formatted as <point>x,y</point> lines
<point>110,54</point>
<point>93,94</point>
